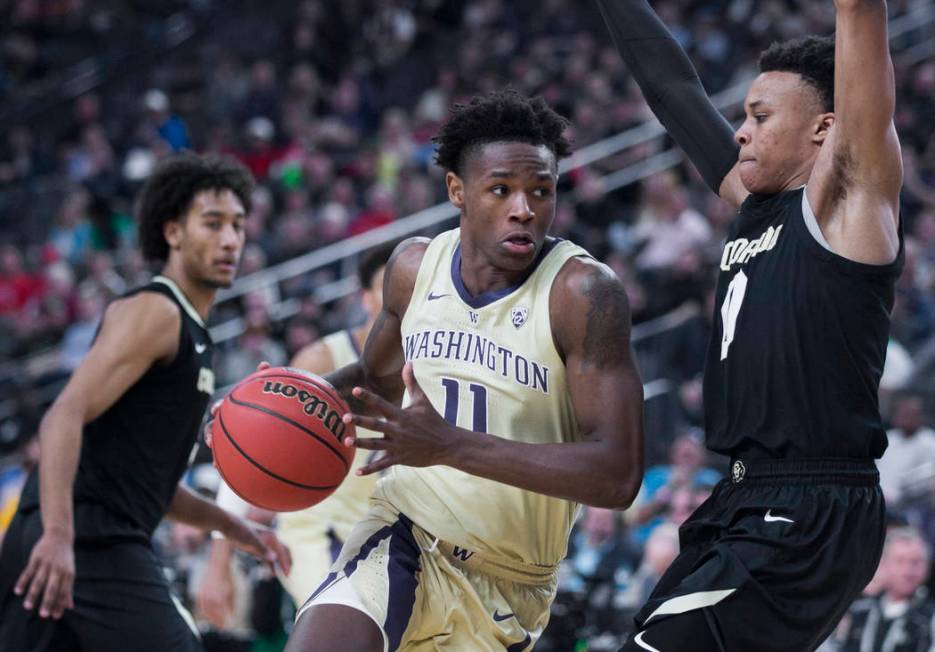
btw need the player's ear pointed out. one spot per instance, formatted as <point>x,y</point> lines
<point>822,127</point>
<point>172,232</point>
<point>455,189</point>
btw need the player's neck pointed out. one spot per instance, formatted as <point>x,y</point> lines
<point>200,296</point>
<point>480,276</point>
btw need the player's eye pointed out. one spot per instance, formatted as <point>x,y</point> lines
<point>499,191</point>
<point>214,225</point>
<point>542,192</point>
<point>759,117</point>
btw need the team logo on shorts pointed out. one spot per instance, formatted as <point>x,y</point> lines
<point>518,315</point>
<point>737,471</point>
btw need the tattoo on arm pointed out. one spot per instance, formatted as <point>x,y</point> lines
<point>607,333</point>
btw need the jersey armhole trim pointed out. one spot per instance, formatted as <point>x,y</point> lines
<point>820,248</point>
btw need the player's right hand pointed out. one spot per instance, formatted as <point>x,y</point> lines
<point>215,596</point>
<point>49,576</point>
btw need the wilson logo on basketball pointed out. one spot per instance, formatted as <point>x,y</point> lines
<point>311,405</point>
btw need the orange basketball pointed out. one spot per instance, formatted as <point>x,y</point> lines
<point>278,439</point>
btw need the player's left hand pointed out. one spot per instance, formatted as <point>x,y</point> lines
<point>261,542</point>
<point>414,436</point>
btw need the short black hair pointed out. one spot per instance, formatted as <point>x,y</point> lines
<point>170,189</point>
<point>372,261</point>
<point>812,57</point>
<point>500,116</point>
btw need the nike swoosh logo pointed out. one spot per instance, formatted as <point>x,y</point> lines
<point>638,639</point>
<point>433,296</point>
<point>769,518</point>
<point>200,348</point>
<point>498,618</point>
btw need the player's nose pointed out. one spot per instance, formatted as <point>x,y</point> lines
<point>520,208</point>
<point>742,136</point>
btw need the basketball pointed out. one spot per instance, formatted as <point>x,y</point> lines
<point>278,439</point>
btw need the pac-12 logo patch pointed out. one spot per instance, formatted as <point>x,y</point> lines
<point>518,315</point>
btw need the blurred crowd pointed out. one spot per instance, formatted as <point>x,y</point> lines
<point>332,106</point>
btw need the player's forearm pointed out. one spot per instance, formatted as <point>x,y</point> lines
<point>354,375</point>
<point>590,472</point>
<point>671,87</point>
<point>190,508</point>
<point>59,451</point>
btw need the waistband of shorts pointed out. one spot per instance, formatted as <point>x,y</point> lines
<point>508,569</point>
<point>816,470</point>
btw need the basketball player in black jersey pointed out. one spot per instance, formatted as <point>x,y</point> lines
<point>804,295</point>
<point>77,570</point>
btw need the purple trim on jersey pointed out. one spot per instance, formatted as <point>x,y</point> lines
<point>403,565</point>
<point>486,298</point>
<point>350,336</point>
<point>522,645</point>
<point>335,545</point>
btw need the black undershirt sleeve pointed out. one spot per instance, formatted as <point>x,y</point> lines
<point>672,87</point>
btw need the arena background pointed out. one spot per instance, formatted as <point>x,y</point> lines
<point>332,106</point>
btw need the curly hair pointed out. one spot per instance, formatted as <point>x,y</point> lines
<point>812,57</point>
<point>496,117</point>
<point>170,189</point>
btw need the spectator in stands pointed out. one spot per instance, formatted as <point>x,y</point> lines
<point>902,617</point>
<point>254,346</point>
<point>79,335</point>
<point>909,461</point>
<point>661,484</point>
<point>662,548</point>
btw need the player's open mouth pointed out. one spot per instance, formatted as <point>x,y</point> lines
<point>519,244</point>
<point>229,266</point>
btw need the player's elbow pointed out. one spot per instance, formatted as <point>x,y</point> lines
<point>620,487</point>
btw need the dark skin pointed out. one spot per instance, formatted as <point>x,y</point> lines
<point>507,200</point>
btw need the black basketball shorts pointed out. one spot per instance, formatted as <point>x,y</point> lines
<point>122,600</point>
<point>770,562</point>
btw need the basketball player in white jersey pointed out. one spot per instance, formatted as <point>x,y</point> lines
<point>522,401</point>
<point>315,535</point>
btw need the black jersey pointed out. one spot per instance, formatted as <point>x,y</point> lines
<point>799,341</point>
<point>133,455</point>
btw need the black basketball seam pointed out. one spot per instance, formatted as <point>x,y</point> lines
<point>264,469</point>
<point>298,425</point>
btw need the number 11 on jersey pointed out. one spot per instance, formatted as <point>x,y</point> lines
<point>730,310</point>
<point>452,396</point>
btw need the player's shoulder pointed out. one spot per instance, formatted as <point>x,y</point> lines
<point>316,357</point>
<point>583,278</point>
<point>148,310</point>
<point>402,269</point>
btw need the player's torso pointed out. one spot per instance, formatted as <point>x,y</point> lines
<point>798,343</point>
<point>134,454</point>
<point>488,364</point>
<point>348,504</point>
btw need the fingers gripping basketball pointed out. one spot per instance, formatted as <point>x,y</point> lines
<point>277,439</point>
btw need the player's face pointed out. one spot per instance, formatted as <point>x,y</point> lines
<point>507,201</point>
<point>209,239</point>
<point>783,130</point>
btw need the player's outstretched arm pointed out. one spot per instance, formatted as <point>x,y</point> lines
<point>135,333</point>
<point>379,367</point>
<point>190,508</point>
<point>675,94</point>
<point>591,325</point>
<point>854,186</point>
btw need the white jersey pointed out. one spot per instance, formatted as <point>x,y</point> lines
<point>489,364</point>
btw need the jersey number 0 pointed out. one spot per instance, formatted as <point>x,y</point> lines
<point>730,310</point>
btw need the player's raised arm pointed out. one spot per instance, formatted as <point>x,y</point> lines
<point>382,360</point>
<point>854,188</point>
<point>674,92</point>
<point>135,333</point>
